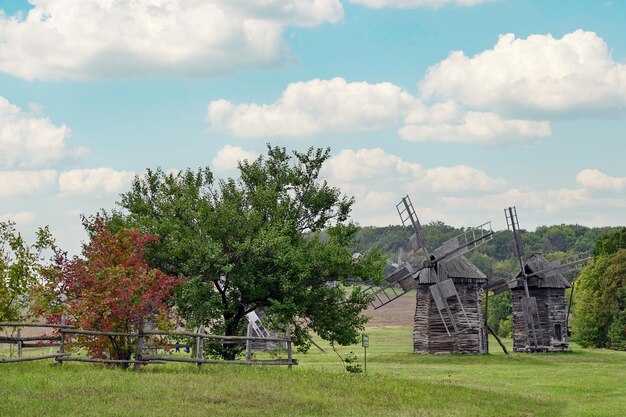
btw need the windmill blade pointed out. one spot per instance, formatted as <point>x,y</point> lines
<point>565,265</point>
<point>442,274</point>
<point>497,287</point>
<point>532,322</point>
<point>512,224</point>
<point>409,219</point>
<point>395,285</point>
<point>467,241</point>
<point>449,247</point>
<point>441,292</point>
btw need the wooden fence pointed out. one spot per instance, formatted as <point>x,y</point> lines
<point>141,356</point>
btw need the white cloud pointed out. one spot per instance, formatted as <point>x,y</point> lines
<point>321,106</point>
<point>375,166</point>
<point>97,182</point>
<point>28,141</point>
<point>89,39</point>
<point>229,156</point>
<point>407,4</point>
<point>15,183</point>
<point>315,106</point>
<point>575,73</point>
<point>447,122</point>
<point>548,201</point>
<point>593,178</point>
<point>367,199</point>
<point>371,207</point>
<point>538,207</point>
<point>370,164</point>
<point>460,178</point>
<point>19,218</point>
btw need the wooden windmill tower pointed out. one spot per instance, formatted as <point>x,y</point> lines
<point>448,314</point>
<point>540,313</point>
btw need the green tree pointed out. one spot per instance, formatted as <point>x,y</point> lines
<point>600,315</point>
<point>274,239</point>
<point>500,247</point>
<point>438,232</point>
<point>499,311</point>
<point>20,266</point>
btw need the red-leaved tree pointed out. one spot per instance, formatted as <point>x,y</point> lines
<point>109,288</point>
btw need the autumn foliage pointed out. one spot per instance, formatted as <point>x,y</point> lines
<point>109,288</point>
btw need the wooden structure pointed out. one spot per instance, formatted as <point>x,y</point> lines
<point>141,339</point>
<point>256,328</point>
<point>448,316</point>
<point>429,333</point>
<point>549,292</point>
<point>539,308</point>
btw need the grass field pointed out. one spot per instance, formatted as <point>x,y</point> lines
<point>398,383</point>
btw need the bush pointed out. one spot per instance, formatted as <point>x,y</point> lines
<point>505,328</point>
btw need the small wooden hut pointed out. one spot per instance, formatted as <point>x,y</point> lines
<point>429,333</point>
<point>551,305</point>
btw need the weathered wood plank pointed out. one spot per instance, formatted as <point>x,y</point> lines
<point>217,337</point>
<point>552,309</point>
<point>32,358</point>
<point>429,332</point>
<point>217,361</point>
<point>96,332</point>
<point>44,325</point>
<point>107,361</point>
<point>8,339</point>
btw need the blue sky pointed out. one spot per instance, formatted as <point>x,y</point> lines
<point>529,111</point>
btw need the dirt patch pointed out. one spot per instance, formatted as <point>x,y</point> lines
<point>399,312</point>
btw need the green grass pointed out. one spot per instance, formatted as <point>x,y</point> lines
<point>398,383</point>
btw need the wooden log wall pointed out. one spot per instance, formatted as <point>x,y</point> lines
<point>552,308</point>
<point>429,333</point>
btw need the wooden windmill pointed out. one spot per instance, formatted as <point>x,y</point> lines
<point>448,315</point>
<point>540,313</point>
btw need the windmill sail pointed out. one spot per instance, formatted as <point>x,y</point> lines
<point>530,312</point>
<point>394,286</point>
<point>564,265</point>
<point>447,301</point>
<point>467,241</point>
<point>409,219</point>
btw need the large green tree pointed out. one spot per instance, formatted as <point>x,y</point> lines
<point>275,239</point>
<point>600,315</point>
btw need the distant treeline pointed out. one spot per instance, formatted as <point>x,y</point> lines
<point>495,258</point>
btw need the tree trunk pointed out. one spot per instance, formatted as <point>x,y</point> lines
<point>229,349</point>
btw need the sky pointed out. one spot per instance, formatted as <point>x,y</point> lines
<point>467,106</point>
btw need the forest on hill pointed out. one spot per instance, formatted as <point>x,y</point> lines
<point>495,258</point>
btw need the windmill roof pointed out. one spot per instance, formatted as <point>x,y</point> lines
<point>459,269</point>
<point>537,262</point>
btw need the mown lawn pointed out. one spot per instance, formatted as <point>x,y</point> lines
<point>398,383</point>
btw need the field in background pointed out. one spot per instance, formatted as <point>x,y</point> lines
<point>398,383</point>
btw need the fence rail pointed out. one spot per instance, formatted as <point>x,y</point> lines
<point>141,346</point>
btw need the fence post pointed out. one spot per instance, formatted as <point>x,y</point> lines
<point>20,345</point>
<point>289,352</point>
<point>249,343</point>
<point>59,359</point>
<point>140,346</point>
<point>200,346</point>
